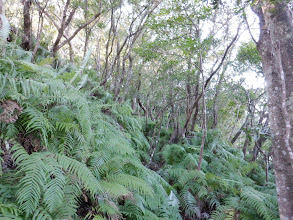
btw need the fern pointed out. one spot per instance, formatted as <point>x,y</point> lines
<point>37,121</point>
<point>9,211</point>
<point>54,189</point>
<point>82,172</point>
<point>79,72</point>
<point>115,190</point>
<point>41,214</point>
<point>92,154</point>
<point>189,204</point>
<point>257,200</point>
<point>132,182</point>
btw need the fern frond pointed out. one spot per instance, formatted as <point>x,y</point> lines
<point>54,189</point>
<point>28,66</point>
<point>193,176</point>
<point>98,217</point>
<point>83,65</point>
<point>173,153</point>
<point>82,172</point>
<point>132,183</point>
<point>31,186</point>
<point>108,207</point>
<point>35,120</point>
<point>9,211</point>
<point>132,211</point>
<point>115,190</point>
<point>41,214</point>
<point>256,199</point>
<point>189,204</point>
<point>70,201</point>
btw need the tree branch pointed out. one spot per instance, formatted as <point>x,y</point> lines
<point>78,30</point>
<point>223,58</point>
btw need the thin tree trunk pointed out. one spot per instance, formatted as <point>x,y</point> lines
<point>266,157</point>
<point>98,59</point>
<point>215,105</point>
<point>39,34</point>
<point>61,29</point>
<point>86,29</point>
<point>170,100</point>
<point>109,50</point>
<point>235,123</point>
<point>194,118</point>
<point>128,78</point>
<point>204,125</point>
<point>144,14</point>
<point>117,75</point>
<point>240,130</point>
<point>145,110</point>
<point>27,25</point>
<point>206,83</point>
<point>246,142</point>
<point>65,21</point>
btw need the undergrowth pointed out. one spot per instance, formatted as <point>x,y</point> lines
<point>68,151</point>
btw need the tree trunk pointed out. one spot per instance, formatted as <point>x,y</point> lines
<point>27,25</point>
<point>98,57</point>
<point>276,49</point>
<point>86,29</point>
<point>129,76</point>
<point>2,12</point>
<point>40,30</point>
<point>4,28</point>
<point>246,142</point>
<point>204,125</point>
<point>61,29</point>
<point>217,92</point>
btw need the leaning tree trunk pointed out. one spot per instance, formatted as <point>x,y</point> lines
<point>276,49</point>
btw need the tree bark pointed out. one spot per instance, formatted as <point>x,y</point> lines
<point>65,22</point>
<point>276,49</point>
<point>2,13</point>
<point>86,29</point>
<point>246,143</point>
<point>4,28</point>
<point>27,25</point>
<point>40,30</point>
<point>204,125</point>
<point>2,10</point>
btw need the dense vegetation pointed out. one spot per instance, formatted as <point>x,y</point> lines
<point>141,112</point>
<point>70,151</point>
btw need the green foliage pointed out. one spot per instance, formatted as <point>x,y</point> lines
<point>78,153</point>
<point>75,153</point>
<point>248,58</point>
<point>225,187</point>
